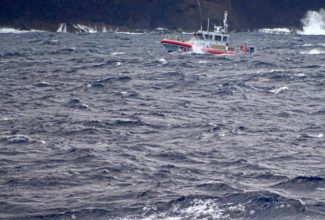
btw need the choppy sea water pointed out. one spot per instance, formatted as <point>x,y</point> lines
<point>110,126</point>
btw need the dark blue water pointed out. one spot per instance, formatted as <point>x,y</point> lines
<point>110,126</point>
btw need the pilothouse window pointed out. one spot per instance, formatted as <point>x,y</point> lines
<point>217,38</point>
<point>225,39</point>
<point>199,36</point>
<point>207,37</point>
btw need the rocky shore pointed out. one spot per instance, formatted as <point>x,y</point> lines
<point>150,14</point>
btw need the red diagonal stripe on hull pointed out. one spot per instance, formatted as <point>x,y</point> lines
<point>176,43</point>
<point>218,52</point>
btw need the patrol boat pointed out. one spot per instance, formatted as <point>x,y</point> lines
<point>211,42</point>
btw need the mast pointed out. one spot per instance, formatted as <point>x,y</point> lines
<point>208,27</point>
<point>225,24</point>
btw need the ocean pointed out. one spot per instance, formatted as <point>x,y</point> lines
<point>111,126</point>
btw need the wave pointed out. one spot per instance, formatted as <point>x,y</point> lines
<point>17,139</point>
<point>275,31</point>
<point>197,49</point>
<point>248,205</point>
<point>162,61</point>
<point>279,90</point>
<point>77,104</point>
<point>313,52</point>
<point>17,31</point>
<point>303,183</point>
<point>161,29</point>
<point>128,33</point>
<point>314,23</point>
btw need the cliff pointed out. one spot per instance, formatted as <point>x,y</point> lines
<point>150,14</point>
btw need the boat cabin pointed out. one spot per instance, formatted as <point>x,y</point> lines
<point>218,38</point>
<point>212,36</point>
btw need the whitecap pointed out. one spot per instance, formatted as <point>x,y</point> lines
<point>16,31</point>
<point>129,33</point>
<point>203,61</point>
<point>117,53</point>
<point>307,45</point>
<point>201,208</point>
<point>275,30</point>
<point>161,29</point>
<point>124,93</point>
<point>281,89</point>
<point>42,84</point>
<point>162,61</point>
<point>299,75</point>
<point>198,49</point>
<point>17,139</point>
<point>319,135</point>
<point>313,52</point>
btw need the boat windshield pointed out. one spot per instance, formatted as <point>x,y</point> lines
<point>199,36</point>
<point>217,38</point>
<point>207,37</point>
<point>225,39</point>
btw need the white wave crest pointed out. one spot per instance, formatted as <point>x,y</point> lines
<point>313,52</point>
<point>314,23</point>
<point>281,89</point>
<point>203,62</point>
<point>196,48</point>
<point>117,53</point>
<point>162,61</point>
<point>161,29</point>
<point>199,209</point>
<point>319,135</point>
<point>275,30</point>
<point>128,33</point>
<point>16,31</point>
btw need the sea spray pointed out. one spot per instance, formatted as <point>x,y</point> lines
<point>62,28</point>
<point>314,23</point>
<point>85,29</point>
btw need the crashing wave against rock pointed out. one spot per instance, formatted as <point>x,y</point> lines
<point>81,28</point>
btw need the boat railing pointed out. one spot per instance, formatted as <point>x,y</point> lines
<point>177,37</point>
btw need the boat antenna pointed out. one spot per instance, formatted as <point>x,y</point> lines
<point>208,25</point>
<point>200,11</point>
<point>225,24</point>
